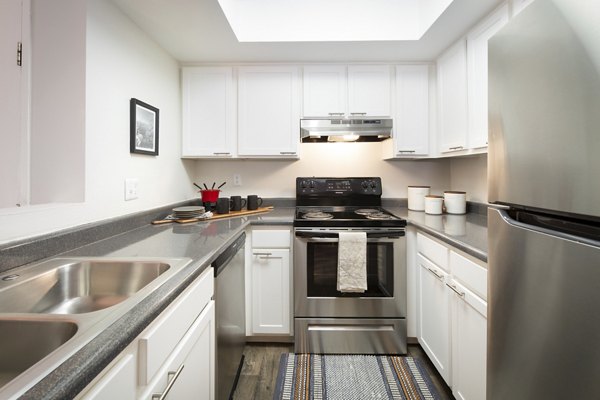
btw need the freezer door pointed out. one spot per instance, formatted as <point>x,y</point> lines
<point>543,320</point>
<point>544,108</point>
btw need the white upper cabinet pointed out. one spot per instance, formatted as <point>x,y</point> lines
<point>477,73</point>
<point>452,98</point>
<point>268,111</point>
<point>369,90</point>
<point>209,112</point>
<point>325,90</point>
<point>411,114</point>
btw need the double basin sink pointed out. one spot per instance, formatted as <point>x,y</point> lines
<point>50,310</point>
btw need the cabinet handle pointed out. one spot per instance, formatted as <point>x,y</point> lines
<point>406,151</point>
<point>173,375</point>
<point>263,254</point>
<point>456,148</point>
<point>336,113</point>
<point>358,113</point>
<point>287,152</point>
<point>455,290</point>
<point>440,277</point>
<point>225,153</point>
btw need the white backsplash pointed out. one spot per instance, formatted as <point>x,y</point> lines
<point>276,178</point>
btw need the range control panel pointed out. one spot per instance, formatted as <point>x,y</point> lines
<point>333,187</point>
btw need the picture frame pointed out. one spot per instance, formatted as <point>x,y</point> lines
<point>144,128</point>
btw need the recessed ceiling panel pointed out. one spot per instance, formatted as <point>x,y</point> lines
<point>331,20</point>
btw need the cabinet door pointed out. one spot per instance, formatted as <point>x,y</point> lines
<point>469,341</point>
<point>325,90</point>
<point>191,368</point>
<point>434,315</point>
<point>271,294</point>
<point>197,378</point>
<point>369,90</point>
<point>209,114</point>
<point>452,98</point>
<point>269,111</point>
<point>477,73</point>
<point>411,119</point>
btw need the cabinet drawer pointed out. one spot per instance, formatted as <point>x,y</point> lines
<point>434,251</point>
<point>118,383</point>
<point>160,338</point>
<point>469,273</point>
<point>279,238</point>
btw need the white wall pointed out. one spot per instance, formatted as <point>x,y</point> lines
<point>469,174</point>
<point>277,178</point>
<point>122,62</point>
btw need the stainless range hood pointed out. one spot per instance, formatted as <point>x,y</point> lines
<point>355,129</point>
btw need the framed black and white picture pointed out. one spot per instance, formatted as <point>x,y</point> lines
<point>143,128</point>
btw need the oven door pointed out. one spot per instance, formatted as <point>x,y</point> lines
<point>315,276</point>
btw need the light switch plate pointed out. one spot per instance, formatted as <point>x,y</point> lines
<point>131,188</point>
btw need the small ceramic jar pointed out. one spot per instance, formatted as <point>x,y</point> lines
<point>416,197</point>
<point>433,204</point>
<point>455,202</point>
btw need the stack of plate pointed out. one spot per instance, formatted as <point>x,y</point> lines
<point>188,212</point>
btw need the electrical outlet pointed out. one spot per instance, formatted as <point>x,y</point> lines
<point>131,188</point>
<point>237,180</point>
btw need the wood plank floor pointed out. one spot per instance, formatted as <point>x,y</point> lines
<point>259,373</point>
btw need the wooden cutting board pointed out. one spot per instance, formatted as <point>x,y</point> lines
<point>215,216</point>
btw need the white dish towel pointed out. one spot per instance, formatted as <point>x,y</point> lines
<point>352,262</point>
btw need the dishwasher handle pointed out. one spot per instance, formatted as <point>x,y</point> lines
<point>223,259</point>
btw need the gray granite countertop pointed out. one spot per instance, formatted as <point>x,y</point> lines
<point>466,232</point>
<point>202,242</point>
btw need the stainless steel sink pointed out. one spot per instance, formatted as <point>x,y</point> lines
<point>24,342</point>
<point>50,310</point>
<point>77,287</point>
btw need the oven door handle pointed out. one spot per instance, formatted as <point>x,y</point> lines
<point>333,236</point>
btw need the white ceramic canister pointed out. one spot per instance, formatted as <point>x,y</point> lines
<point>433,204</point>
<point>416,197</point>
<point>455,202</point>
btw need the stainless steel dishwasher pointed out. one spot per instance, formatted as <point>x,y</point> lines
<point>230,316</point>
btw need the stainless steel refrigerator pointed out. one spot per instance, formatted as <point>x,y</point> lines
<point>544,165</point>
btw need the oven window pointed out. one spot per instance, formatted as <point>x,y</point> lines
<point>322,270</point>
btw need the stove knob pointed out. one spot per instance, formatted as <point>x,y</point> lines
<point>303,184</point>
<point>312,184</point>
<point>373,185</point>
<point>365,185</point>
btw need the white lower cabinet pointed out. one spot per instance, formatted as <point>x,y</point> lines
<point>269,282</point>
<point>270,291</point>
<point>434,315</point>
<point>174,354</point>
<point>469,330</point>
<point>452,315</point>
<point>189,371</point>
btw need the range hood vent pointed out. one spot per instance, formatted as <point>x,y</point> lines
<point>355,129</point>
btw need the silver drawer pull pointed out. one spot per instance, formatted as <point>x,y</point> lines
<point>287,152</point>
<point>456,148</point>
<point>263,254</point>
<point>336,113</point>
<point>173,377</point>
<point>407,151</point>
<point>440,277</point>
<point>358,113</point>
<point>455,290</point>
<point>223,153</point>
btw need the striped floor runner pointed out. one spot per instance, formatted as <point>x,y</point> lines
<point>352,377</point>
